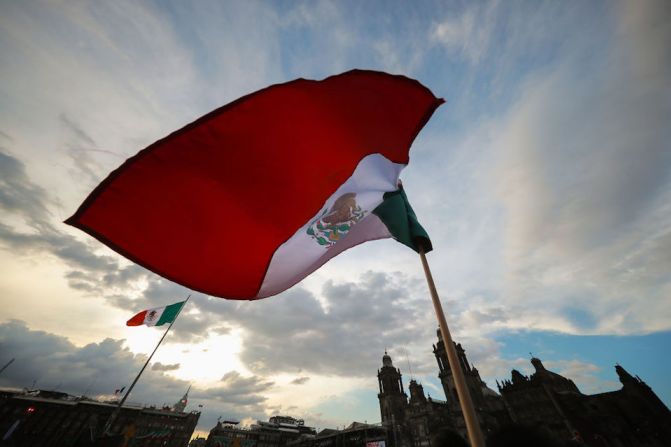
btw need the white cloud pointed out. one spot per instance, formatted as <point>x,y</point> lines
<point>470,32</point>
<point>584,178</point>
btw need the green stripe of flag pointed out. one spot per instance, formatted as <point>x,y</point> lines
<point>400,219</point>
<point>170,313</point>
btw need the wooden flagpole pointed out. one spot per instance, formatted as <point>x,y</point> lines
<point>471,419</point>
<point>115,413</point>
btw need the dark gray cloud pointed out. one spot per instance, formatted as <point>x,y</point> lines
<point>21,197</point>
<point>50,360</point>
<point>158,366</point>
<point>195,327</point>
<point>122,302</point>
<point>90,270</point>
<point>160,291</point>
<point>124,275</point>
<point>18,194</point>
<point>241,390</point>
<point>293,331</point>
<point>300,380</point>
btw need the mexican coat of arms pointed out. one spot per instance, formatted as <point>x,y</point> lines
<point>334,223</point>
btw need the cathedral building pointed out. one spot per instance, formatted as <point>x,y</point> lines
<point>630,417</point>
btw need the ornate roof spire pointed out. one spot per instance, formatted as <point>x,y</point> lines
<point>181,405</point>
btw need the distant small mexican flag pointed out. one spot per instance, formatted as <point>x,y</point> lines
<point>156,316</point>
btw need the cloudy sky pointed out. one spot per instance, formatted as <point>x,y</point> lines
<point>544,183</point>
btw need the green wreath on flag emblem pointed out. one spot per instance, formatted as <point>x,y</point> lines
<point>331,226</point>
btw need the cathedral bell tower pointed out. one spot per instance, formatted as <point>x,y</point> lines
<point>393,400</point>
<point>446,376</point>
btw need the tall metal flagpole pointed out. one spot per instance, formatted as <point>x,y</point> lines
<point>472,424</point>
<point>115,413</point>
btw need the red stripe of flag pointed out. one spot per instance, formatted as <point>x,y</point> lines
<point>137,320</point>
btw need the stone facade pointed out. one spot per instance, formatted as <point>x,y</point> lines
<point>629,417</point>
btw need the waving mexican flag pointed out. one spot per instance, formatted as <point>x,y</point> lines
<point>158,316</point>
<point>251,198</point>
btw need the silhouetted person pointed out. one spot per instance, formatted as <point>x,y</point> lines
<point>447,438</point>
<point>517,435</point>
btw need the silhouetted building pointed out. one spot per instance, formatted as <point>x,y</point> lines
<point>489,407</point>
<point>46,418</point>
<point>425,416</point>
<point>230,435</point>
<point>393,402</point>
<point>412,423</point>
<point>275,433</point>
<point>631,416</point>
<point>357,434</point>
<point>408,422</point>
<point>198,442</point>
